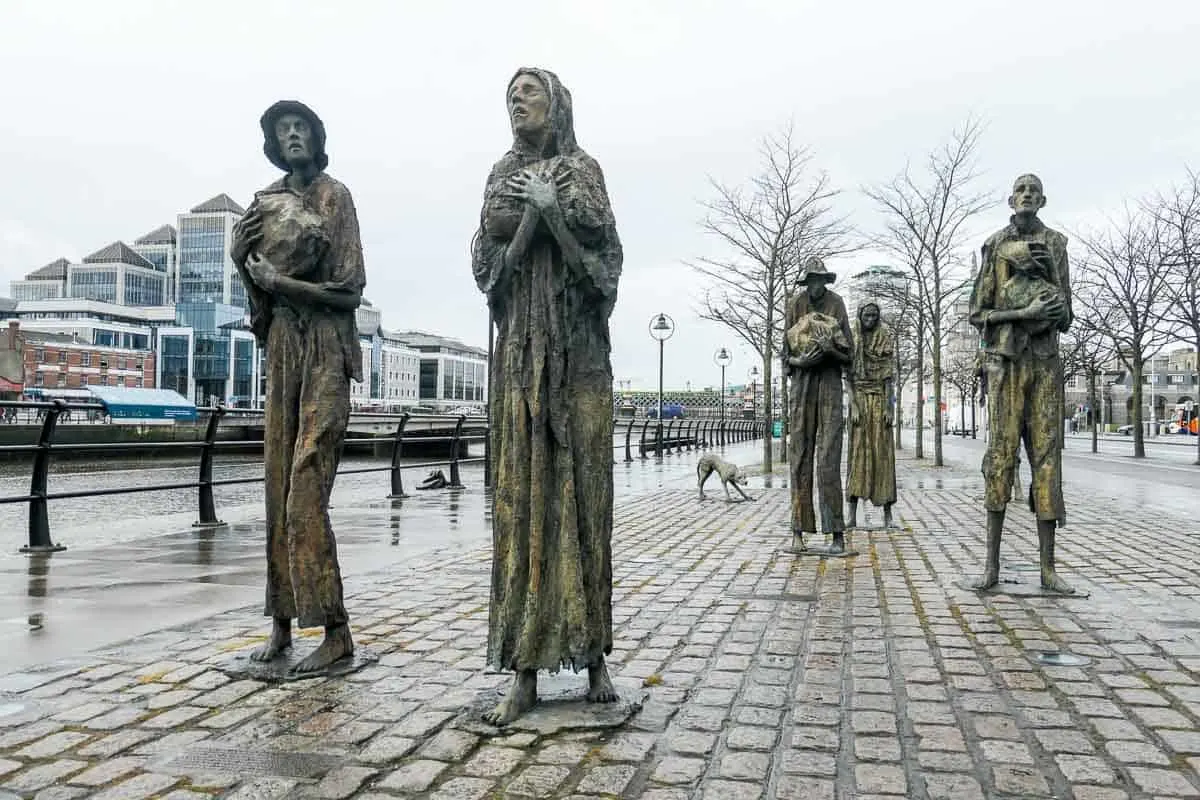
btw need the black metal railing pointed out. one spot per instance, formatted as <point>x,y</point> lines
<point>681,435</point>
<point>44,448</point>
<point>676,436</point>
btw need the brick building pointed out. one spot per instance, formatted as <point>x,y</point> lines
<point>59,361</point>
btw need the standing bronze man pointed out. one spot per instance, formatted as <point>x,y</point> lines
<point>1021,302</point>
<point>298,252</point>
<point>871,471</point>
<point>816,348</point>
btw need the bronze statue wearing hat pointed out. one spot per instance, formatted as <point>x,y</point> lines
<point>298,252</point>
<point>816,349</point>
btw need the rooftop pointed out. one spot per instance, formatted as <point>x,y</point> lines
<point>117,253</point>
<point>56,270</point>
<point>421,339</point>
<point>164,234</point>
<point>221,202</point>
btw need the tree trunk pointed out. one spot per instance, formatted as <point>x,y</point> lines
<point>939,425</point>
<point>1139,440</point>
<point>768,407</point>
<point>1092,410</point>
<point>919,451</point>
<point>898,415</point>
<point>1196,398</point>
<point>974,427</point>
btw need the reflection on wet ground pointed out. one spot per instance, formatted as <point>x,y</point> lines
<point>123,578</point>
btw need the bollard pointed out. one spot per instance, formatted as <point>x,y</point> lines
<point>397,492</point>
<point>454,443</point>
<point>628,434</point>
<point>39,518</point>
<point>208,509</point>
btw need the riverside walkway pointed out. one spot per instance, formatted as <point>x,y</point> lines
<point>766,675</point>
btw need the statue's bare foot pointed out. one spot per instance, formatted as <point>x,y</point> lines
<point>989,578</point>
<point>600,686</point>
<point>337,645</point>
<point>1052,583</point>
<point>281,639</point>
<point>887,518</point>
<point>798,541</point>
<point>839,542</point>
<point>521,696</point>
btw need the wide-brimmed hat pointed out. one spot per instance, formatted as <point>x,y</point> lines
<point>271,141</point>
<point>814,269</point>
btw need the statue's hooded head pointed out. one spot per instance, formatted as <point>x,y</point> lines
<point>539,109</point>
<point>271,145</point>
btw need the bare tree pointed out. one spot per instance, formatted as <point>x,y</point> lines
<point>962,372</point>
<point>1178,213</point>
<point>927,217</point>
<point>1124,291</point>
<point>1086,351</point>
<point>767,230</point>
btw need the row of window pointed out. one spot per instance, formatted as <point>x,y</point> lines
<point>39,379</point>
<point>85,360</point>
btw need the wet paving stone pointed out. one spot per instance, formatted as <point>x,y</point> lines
<point>768,675</point>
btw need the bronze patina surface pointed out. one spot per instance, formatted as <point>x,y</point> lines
<point>1020,303</point>
<point>302,311</point>
<point>548,257</point>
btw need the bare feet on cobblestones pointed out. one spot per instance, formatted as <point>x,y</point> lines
<point>1052,583</point>
<point>281,639</point>
<point>600,686</point>
<point>839,542</point>
<point>798,541</point>
<point>989,578</point>
<point>521,696</point>
<point>338,644</point>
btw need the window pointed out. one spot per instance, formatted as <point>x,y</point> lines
<point>141,363</point>
<point>120,363</point>
<point>103,362</point>
<point>37,379</point>
<point>62,380</point>
<point>138,383</point>
<point>85,360</point>
<point>62,356</point>
<point>39,355</point>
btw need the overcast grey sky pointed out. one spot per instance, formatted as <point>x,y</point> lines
<point>118,115</point>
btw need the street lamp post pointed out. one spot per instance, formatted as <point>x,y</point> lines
<point>754,392</point>
<point>661,328</point>
<point>722,358</point>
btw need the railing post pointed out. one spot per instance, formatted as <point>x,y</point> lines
<point>208,508</point>
<point>454,443</point>
<point>642,446</point>
<point>667,437</point>
<point>39,518</point>
<point>397,445</point>
<point>628,434</point>
<point>706,433</point>
<point>688,439</point>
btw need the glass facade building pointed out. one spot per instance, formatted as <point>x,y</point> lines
<point>202,256</point>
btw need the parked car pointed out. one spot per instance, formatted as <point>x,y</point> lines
<point>1125,430</point>
<point>670,411</point>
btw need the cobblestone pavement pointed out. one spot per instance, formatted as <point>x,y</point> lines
<point>769,675</point>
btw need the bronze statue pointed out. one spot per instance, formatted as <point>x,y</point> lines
<point>1020,303</point>
<point>871,472</point>
<point>548,258</point>
<point>298,252</point>
<point>816,347</point>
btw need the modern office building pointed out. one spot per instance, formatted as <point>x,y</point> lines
<point>451,374</point>
<point>160,248</point>
<point>45,283</point>
<point>205,271</point>
<point>117,274</point>
<point>389,366</point>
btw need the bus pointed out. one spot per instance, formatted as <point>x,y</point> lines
<point>1185,418</point>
